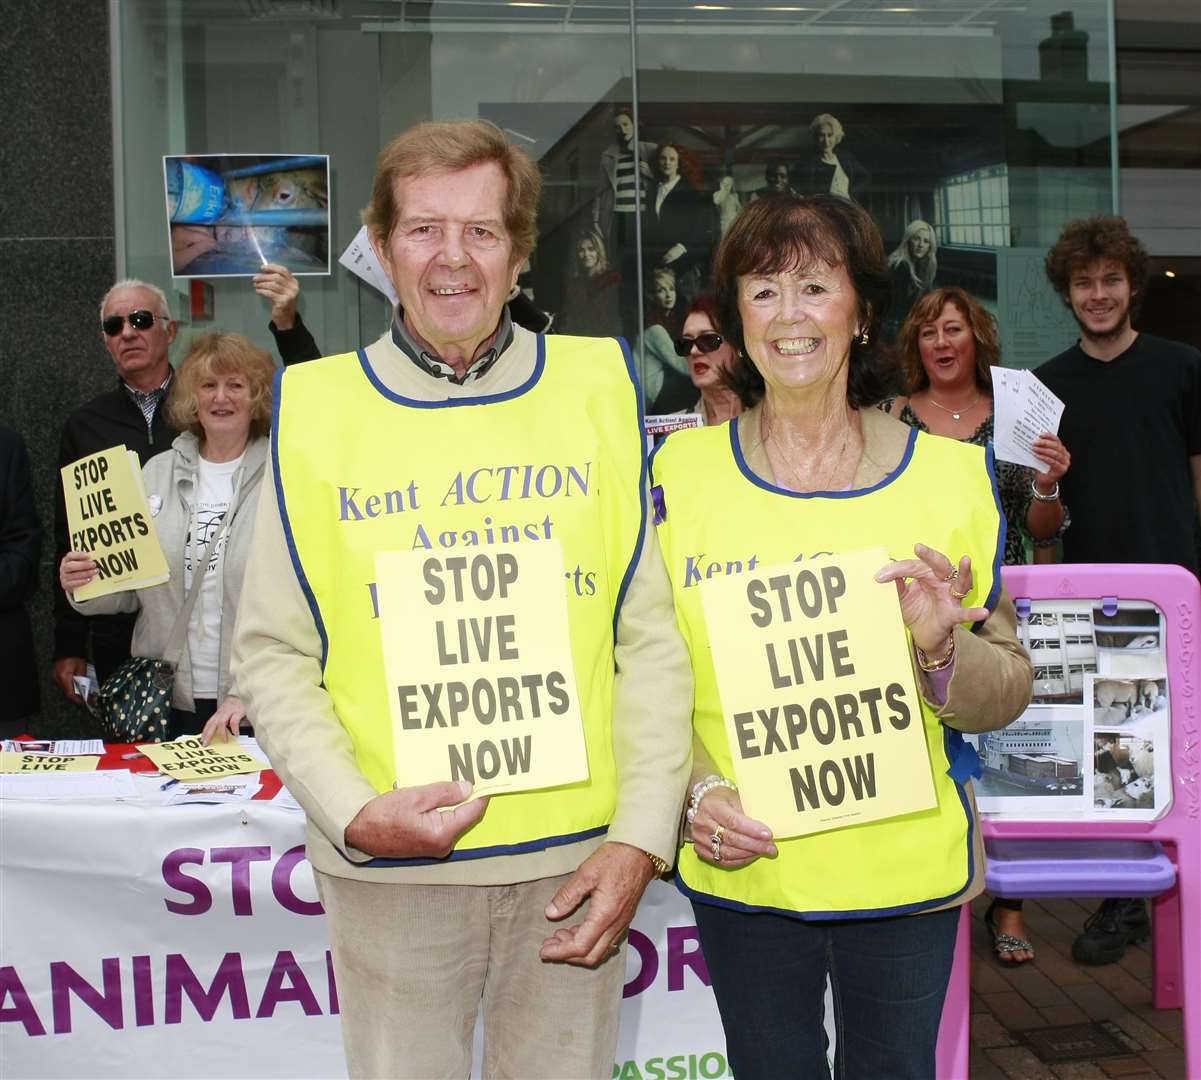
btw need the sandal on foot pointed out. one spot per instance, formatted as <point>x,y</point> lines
<point>1005,945</point>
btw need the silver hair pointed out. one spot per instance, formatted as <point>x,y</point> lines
<point>137,283</point>
<point>827,118</point>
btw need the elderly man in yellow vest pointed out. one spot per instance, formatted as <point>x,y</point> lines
<point>458,428</point>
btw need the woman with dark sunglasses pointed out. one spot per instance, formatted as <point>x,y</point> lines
<point>709,357</point>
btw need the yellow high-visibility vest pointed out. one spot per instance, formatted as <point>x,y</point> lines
<point>719,518</point>
<point>360,469</point>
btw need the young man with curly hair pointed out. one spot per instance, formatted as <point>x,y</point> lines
<point>1132,421</point>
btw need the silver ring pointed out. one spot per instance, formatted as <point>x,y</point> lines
<point>952,576</point>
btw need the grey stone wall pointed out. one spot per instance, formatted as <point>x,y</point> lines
<point>57,252</point>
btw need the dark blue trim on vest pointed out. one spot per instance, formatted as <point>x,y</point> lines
<point>948,743</point>
<point>276,404</point>
<point>990,464</point>
<point>486,399</point>
<point>642,475</point>
<point>484,853</point>
<point>758,481</point>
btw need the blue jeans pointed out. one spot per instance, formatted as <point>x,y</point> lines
<point>889,977</point>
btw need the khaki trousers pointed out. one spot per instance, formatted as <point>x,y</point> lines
<point>414,963</point>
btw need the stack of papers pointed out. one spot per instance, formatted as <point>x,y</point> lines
<point>1023,409</point>
<point>110,784</point>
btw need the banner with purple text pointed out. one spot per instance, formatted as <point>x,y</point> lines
<point>137,940</point>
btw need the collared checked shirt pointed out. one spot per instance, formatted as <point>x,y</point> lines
<point>439,368</point>
<point>148,400</point>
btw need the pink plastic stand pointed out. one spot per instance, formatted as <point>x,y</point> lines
<point>1143,849</point>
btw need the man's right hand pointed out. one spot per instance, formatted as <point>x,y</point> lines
<point>65,669</point>
<point>407,823</point>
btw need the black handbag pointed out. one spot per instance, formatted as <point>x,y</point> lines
<point>134,704</point>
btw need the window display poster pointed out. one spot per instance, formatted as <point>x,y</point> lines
<point>631,215</point>
<point>228,215</point>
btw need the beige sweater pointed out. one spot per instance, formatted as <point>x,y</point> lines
<point>277,664</point>
<point>992,678</point>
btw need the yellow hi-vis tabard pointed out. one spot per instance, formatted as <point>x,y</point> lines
<point>361,470</point>
<point>717,517</point>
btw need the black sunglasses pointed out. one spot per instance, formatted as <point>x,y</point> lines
<point>709,341</point>
<point>139,320</point>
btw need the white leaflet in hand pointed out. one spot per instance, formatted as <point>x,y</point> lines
<point>360,259</point>
<point>1006,394</point>
<point>1020,417</point>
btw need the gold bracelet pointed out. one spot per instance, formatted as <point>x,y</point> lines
<point>939,663</point>
<point>661,865</point>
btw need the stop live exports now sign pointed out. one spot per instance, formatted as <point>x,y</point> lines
<point>818,695</point>
<point>108,518</point>
<point>477,655</point>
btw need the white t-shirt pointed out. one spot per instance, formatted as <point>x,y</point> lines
<point>214,494</point>
<point>840,183</point>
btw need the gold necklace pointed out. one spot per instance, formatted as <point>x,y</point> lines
<point>956,414</point>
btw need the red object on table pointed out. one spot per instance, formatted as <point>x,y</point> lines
<point>114,758</point>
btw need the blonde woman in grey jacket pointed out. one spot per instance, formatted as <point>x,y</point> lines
<point>206,485</point>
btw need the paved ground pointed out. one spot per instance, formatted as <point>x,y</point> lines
<point>1054,990</point>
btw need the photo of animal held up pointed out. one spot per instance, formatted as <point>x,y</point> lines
<point>230,214</point>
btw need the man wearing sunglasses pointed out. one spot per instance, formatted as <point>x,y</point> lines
<point>137,329</point>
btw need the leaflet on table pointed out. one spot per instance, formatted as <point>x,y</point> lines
<point>108,517</point>
<point>1023,409</point>
<point>212,792</point>
<point>189,759</point>
<point>817,690</point>
<point>103,784</point>
<point>53,746</point>
<point>480,677</point>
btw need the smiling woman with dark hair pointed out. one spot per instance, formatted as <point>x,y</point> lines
<point>801,286</point>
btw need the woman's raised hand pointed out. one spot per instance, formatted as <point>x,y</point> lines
<point>932,590</point>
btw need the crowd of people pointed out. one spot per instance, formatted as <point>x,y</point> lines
<point>817,436</point>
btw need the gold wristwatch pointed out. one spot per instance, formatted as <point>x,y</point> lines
<point>661,865</point>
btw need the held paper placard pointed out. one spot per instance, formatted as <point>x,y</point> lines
<point>189,759</point>
<point>817,689</point>
<point>108,518</point>
<point>477,654</point>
